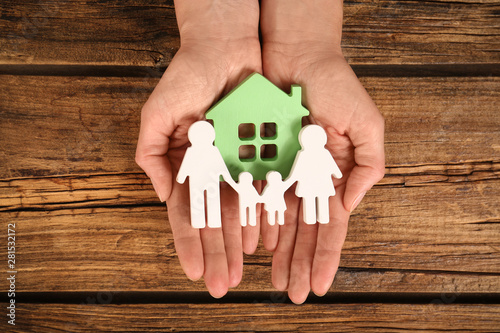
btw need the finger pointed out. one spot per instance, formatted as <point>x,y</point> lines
<point>186,239</point>
<point>270,233</point>
<point>251,234</point>
<point>231,230</point>
<point>367,136</point>
<point>283,254</point>
<point>302,260</point>
<point>330,240</point>
<point>215,260</point>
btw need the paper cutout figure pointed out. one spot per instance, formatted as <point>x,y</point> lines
<point>273,197</point>
<point>313,169</point>
<point>248,199</point>
<point>203,164</point>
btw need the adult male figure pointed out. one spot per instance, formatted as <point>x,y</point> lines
<point>204,165</point>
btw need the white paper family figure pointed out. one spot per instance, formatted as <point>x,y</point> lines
<point>248,199</point>
<point>273,197</point>
<point>312,169</point>
<point>203,164</point>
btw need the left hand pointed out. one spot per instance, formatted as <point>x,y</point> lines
<point>300,50</point>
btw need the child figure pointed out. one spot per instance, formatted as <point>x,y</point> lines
<point>248,199</point>
<point>273,197</point>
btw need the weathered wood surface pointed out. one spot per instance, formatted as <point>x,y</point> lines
<point>88,221</point>
<point>144,32</point>
<point>134,32</point>
<point>257,317</point>
<point>85,211</point>
<point>77,125</point>
<point>70,125</point>
<point>132,249</point>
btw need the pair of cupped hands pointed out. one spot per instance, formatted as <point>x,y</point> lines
<point>220,46</point>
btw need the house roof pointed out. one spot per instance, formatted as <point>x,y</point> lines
<point>256,98</point>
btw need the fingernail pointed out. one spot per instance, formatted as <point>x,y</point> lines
<point>320,294</point>
<point>156,190</point>
<point>357,201</point>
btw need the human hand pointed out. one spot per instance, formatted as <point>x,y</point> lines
<point>219,48</point>
<point>301,45</point>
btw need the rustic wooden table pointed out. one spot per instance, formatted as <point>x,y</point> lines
<point>93,248</point>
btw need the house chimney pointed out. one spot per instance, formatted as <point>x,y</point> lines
<point>296,93</point>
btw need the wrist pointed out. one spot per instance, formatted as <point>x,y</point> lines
<point>220,23</point>
<point>299,25</point>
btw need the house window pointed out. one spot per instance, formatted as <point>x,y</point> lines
<point>246,131</point>
<point>268,130</point>
<point>257,147</point>
<point>268,152</point>
<point>247,153</point>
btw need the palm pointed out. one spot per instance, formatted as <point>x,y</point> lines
<point>307,256</point>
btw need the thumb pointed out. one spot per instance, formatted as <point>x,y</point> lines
<point>151,153</point>
<point>369,158</point>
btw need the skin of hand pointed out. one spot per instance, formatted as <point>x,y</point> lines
<point>301,45</point>
<point>219,48</point>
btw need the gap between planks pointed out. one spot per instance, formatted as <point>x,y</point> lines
<point>203,297</point>
<point>384,70</point>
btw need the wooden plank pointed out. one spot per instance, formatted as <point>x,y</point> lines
<point>421,32</point>
<point>133,32</point>
<point>76,192</point>
<point>144,32</point>
<point>75,125</point>
<point>106,233</point>
<point>438,120</point>
<point>69,125</point>
<point>104,190</point>
<point>267,317</point>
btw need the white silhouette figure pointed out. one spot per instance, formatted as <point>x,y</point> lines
<point>273,197</point>
<point>204,165</point>
<point>313,169</point>
<point>248,199</point>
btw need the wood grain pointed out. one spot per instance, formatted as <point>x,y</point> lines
<point>76,125</point>
<point>438,120</point>
<point>86,211</point>
<point>88,223</point>
<point>70,125</point>
<point>133,32</point>
<point>257,317</point>
<point>128,189</point>
<point>107,233</point>
<point>421,32</point>
<point>144,32</point>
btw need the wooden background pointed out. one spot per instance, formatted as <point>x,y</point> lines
<point>94,248</point>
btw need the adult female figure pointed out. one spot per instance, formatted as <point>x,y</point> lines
<point>313,169</point>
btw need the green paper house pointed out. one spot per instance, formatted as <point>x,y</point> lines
<point>257,126</point>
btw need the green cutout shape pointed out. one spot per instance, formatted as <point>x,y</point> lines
<point>257,101</point>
